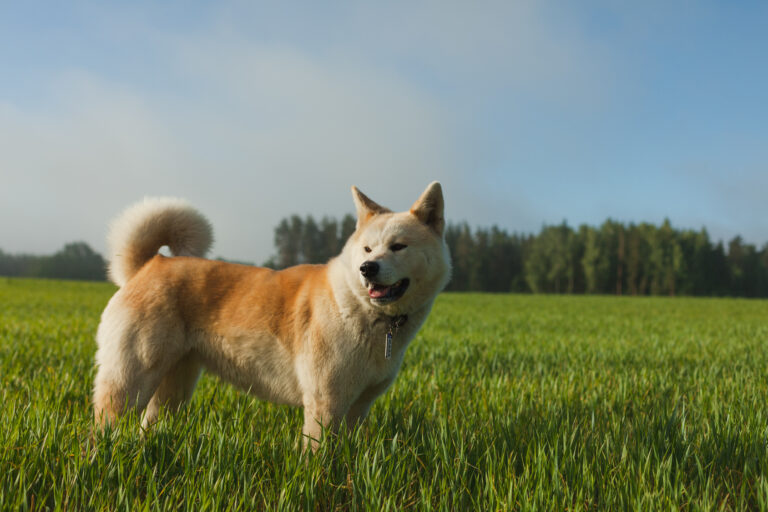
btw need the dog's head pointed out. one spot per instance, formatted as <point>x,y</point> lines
<point>400,259</point>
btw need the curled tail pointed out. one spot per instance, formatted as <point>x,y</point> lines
<point>136,235</point>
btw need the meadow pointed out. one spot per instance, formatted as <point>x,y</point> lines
<point>504,402</point>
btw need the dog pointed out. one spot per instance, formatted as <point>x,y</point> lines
<point>329,338</point>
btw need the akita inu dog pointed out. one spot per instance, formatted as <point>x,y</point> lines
<point>330,338</point>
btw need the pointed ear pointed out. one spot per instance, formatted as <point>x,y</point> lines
<point>429,208</point>
<point>366,207</point>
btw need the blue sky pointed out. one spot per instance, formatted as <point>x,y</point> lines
<point>527,112</point>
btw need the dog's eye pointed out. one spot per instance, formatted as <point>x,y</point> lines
<point>397,247</point>
<point>367,249</point>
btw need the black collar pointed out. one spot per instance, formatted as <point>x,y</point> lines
<point>395,322</point>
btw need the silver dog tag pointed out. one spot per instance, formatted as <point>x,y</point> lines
<point>388,346</point>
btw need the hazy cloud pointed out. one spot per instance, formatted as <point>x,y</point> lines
<point>265,128</point>
<point>255,111</point>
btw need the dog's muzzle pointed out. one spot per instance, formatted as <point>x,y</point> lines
<point>369,269</point>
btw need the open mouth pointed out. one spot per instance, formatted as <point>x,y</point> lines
<point>382,293</point>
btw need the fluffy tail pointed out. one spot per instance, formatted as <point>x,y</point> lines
<point>136,235</point>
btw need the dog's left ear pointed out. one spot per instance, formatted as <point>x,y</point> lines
<point>429,208</point>
<point>366,207</point>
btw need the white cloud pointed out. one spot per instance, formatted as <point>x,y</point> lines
<point>294,137</point>
<point>255,130</point>
<point>64,165</point>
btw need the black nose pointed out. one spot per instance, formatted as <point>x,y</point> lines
<point>369,269</point>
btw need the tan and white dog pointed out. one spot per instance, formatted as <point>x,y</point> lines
<point>330,338</point>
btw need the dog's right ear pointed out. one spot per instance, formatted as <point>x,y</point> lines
<point>366,207</point>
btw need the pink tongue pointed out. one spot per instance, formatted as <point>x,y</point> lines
<point>377,293</point>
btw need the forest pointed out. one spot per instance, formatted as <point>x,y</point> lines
<point>74,261</point>
<point>613,258</point>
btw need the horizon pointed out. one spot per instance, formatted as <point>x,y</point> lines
<point>450,224</point>
<point>527,113</point>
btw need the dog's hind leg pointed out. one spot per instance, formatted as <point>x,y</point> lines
<point>132,359</point>
<point>176,387</point>
<point>116,392</point>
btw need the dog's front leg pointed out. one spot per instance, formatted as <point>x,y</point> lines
<point>321,413</point>
<point>359,409</point>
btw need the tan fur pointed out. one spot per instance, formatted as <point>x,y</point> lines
<point>308,335</point>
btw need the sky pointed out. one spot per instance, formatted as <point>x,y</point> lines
<point>528,113</point>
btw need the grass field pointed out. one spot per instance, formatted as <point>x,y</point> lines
<point>504,402</point>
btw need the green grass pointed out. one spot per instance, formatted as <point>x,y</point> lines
<point>504,402</point>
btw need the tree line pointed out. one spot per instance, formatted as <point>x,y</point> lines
<point>622,259</point>
<point>613,258</point>
<point>74,261</point>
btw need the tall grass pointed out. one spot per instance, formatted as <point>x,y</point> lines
<point>504,402</point>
